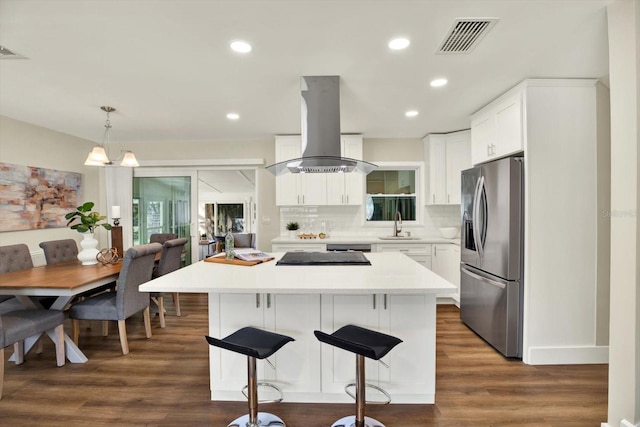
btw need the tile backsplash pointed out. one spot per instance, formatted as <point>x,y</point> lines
<point>345,220</point>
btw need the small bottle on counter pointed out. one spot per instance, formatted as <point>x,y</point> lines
<point>228,245</point>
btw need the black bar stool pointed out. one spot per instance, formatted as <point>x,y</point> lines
<point>255,344</point>
<point>364,343</point>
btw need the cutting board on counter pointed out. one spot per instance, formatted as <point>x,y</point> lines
<point>235,261</point>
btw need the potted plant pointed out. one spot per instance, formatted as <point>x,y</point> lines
<point>85,221</point>
<point>293,228</point>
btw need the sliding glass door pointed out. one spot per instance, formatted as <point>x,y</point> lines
<point>162,205</point>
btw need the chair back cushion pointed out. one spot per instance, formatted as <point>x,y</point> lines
<point>171,256</point>
<point>244,240</point>
<point>162,237</point>
<point>57,251</point>
<point>15,258</point>
<point>136,269</point>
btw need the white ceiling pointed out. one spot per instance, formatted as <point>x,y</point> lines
<point>166,66</point>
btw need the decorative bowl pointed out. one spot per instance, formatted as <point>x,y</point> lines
<point>449,232</point>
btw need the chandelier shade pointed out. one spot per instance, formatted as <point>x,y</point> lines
<point>98,155</point>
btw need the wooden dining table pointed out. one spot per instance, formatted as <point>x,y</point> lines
<point>63,281</point>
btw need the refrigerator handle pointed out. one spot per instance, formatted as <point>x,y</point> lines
<point>476,217</point>
<point>483,279</point>
<point>482,231</point>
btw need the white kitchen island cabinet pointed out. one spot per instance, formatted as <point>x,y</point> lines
<point>402,316</point>
<point>296,300</point>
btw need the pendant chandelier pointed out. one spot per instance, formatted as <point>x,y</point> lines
<point>98,155</point>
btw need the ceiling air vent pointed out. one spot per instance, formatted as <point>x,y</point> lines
<point>465,34</point>
<point>9,54</point>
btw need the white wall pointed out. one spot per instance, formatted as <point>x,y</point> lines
<point>624,347</point>
<point>563,222</point>
<point>28,145</point>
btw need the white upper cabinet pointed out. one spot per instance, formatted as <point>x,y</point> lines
<point>347,188</point>
<point>297,189</point>
<point>446,156</point>
<point>318,189</point>
<point>498,129</point>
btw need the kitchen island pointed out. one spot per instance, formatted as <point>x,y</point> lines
<point>394,295</point>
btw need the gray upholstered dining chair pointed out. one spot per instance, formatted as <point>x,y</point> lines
<point>244,240</point>
<point>169,261</point>
<point>13,258</point>
<point>126,301</point>
<point>162,237</point>
<point>65,250</point>
<point>57,251</point>
<point>16,326</point>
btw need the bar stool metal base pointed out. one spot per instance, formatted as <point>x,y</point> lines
<point>265,419</point>
<point>350,421</point>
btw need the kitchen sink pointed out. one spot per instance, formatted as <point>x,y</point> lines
<point>399,238</point>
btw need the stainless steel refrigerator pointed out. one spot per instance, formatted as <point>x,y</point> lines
<point>492,259</point>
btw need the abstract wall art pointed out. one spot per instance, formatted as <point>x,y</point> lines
<point>34,198</point>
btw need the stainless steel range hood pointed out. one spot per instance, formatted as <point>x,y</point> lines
<point>321,132</point>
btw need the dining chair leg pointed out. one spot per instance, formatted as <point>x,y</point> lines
<point>160,301</point>
<point>75,330</point>
<point>122,330</point>
<point>147,321</point>
<point>1,370</point>
<point>60,359</point>
<point>176,303</point>
<point>18,350</point>
<point>105,328</point>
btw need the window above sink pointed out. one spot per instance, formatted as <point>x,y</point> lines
<point>393,187</point>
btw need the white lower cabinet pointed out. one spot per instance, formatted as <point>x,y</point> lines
<point>421,253</point>
<point>408,377</point>
<point>296,364</point>
<point>445,262</point>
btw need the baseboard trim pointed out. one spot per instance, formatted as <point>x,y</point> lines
<point>567,355</point>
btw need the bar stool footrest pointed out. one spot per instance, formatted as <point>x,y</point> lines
<point>369,402</point>
<point>264,384</point>
<point>350,421</point>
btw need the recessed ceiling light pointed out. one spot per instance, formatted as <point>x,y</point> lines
<point>411,113</point>
<point>399,43</point>
<point>438,82</point>
<point>241,46</point>
<point>233,116</point>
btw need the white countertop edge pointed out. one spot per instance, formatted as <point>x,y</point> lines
<point>390,273</point>
<point>150,287</point>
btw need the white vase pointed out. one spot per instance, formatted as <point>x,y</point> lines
<point>293,234</point>
<point>89,249</point>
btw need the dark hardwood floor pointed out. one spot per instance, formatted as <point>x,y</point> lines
<point>164,382</point>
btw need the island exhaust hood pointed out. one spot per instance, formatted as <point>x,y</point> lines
<point>320,147</point>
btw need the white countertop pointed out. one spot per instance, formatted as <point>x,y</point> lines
<point>390,273</point>
<point>359,239</point>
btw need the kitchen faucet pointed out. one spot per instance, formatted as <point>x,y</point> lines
<point>397,224</point>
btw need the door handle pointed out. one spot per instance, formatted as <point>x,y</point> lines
<point>484,279</point>
<point>268,300</point>
<point>257,300</point>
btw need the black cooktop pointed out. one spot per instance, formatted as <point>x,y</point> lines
<point>323,258</point>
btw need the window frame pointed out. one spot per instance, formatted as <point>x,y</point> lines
<point>418,167</point>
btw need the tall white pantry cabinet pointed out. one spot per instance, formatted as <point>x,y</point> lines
<point>563,127</point>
